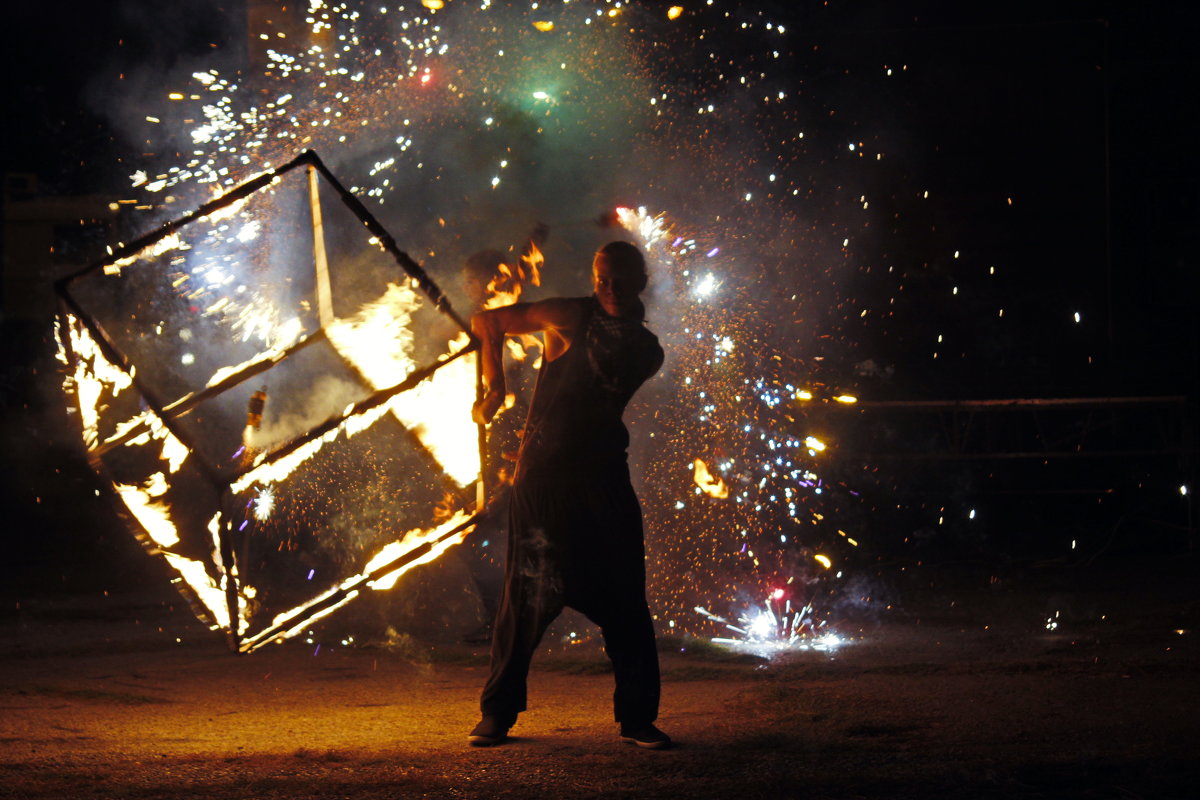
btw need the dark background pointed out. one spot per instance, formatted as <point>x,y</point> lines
<point>1083,112</point>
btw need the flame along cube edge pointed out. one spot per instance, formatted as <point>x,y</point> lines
<point>283,413</point>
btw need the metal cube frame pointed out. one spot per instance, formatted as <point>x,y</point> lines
<point>73,313</point>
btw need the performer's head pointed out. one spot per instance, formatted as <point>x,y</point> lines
<point>618,277</point>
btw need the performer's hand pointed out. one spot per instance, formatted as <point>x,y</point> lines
<point>486,408</point>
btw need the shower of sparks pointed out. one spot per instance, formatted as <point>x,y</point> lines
<point>379,84</point>
<point>774,627</point>
<point>771,278</point>
<point>396,93</point>
<point>746,522</point>
<point>264,504</point>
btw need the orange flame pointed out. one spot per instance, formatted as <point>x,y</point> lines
<point>505,289</point>
<point>377,342</point>
<point>534,260</point>
<point>710,484</point>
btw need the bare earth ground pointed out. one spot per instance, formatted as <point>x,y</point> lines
<point>99,700</point>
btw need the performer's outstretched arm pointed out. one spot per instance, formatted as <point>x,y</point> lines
<point>557,319</point>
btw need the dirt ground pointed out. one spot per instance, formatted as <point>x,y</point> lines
<point>963,694</point>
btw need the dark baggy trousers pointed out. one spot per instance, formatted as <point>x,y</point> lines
<point>575,543</point>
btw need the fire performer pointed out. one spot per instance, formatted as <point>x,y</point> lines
<point>575,526</point>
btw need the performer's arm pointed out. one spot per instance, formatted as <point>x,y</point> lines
<point>556,318</point>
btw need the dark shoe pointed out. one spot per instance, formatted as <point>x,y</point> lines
<point>491,730</point>
<point>646,736</point>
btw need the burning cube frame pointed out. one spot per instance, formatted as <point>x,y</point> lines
<point>178,345</point>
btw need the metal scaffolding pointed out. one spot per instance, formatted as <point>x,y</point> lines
<point>1015,428</point>
<point>1021,446</point>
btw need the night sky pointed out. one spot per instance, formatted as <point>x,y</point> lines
<point>916,201</point>
<point>1078,112</point>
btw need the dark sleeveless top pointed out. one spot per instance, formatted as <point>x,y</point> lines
<point>574,430</point>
